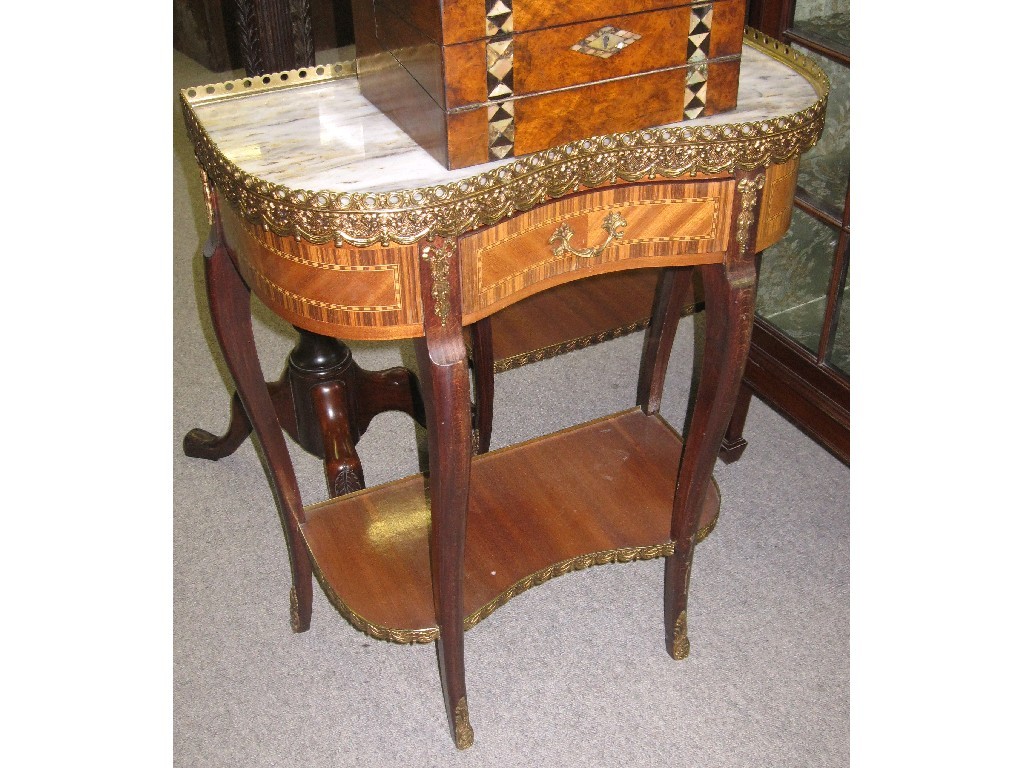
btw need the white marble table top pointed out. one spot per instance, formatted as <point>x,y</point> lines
<point>324,136</point>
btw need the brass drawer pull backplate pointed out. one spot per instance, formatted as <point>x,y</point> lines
<point>612,223</point>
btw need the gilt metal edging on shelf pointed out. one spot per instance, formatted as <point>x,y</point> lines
<point>449,210</point>
<point>578,563</point>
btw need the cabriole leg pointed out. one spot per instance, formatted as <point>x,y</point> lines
<point>483,383</point>
<point>444,380</point>
<point>729,293</point>
<point>734,443</point>
<point>232,321</point>
<point>674,288</point>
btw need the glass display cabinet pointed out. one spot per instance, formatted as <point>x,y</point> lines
<point>800,355</point>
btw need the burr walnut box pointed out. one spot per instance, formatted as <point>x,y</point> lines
<point>478,80</point>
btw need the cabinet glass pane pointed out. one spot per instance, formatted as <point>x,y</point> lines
<point>795,273</point>
<point>839,355</point>
<point>825,168</point>
<point>826,22</point>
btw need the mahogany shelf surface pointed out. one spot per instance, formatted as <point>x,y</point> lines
<point>571,316</point>
<point>597,493</point>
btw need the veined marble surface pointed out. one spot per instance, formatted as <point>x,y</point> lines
<point>327,137</point>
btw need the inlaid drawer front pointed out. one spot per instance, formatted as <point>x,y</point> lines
<point>650,225</point>
<point>347,292</point>
<point>777,203</point>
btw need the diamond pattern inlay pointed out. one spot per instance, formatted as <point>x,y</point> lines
<point>499,68</point>
<point>499,17</point>
<point>698,49</point>
<point>501,122</point>
<point>501,129</point>
<point>698,43</point>
<point>696,92</point>
<point>606,42</point>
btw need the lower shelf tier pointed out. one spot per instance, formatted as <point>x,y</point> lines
<point>593,494</point>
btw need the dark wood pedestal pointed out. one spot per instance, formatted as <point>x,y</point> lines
<point>325,402</point>
<point>433,267</point>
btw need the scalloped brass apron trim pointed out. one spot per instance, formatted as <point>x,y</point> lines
<point>579,563</point>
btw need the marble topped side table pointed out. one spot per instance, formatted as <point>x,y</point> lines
<point>343,227</point>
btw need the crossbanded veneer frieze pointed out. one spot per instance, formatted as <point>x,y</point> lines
<point>662,224</point>
<point>338,291</point>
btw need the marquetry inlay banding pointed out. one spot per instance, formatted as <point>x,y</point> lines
<point>501,126</point>
<point>776,203</point>
<point>698,49</point>
<point>704,215</point>
<point>373,279</point>
<point>315,309</point>
<point>328,259</point>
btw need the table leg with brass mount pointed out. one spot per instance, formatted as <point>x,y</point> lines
<point>428,557</point>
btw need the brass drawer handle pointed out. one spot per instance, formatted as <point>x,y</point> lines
<point>612,223</point>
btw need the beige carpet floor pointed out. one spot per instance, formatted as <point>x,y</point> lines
<point>573,671</point>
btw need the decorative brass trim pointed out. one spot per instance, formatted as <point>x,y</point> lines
<point>580,342</point>
<point>463,730</point>
<point>680,640</point>
<point>345,481</point>
<point>293,609</point>
<point>440,290</point>
<point>451,209</point>
<point>703,533</point>
<point>427,635</point>
<point>625,555</point>
<point>232,89</point>
<point>579,563</point>
<point>748,199</point>
<point>207,196</point>
<point>553,350</point>
<point>612,224</point>
<point>508,280</point>
<point>374,630</point>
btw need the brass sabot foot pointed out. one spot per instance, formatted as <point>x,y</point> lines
<point>463,730</point>
<point>293,601</point>
<point>680,640</point>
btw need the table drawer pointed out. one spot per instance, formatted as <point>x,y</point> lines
<point>647,225</point>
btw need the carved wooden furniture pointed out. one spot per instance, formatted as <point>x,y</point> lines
<point>474,81</point>
<point>260,35</point>
<point>323,399</point>
<point>800,352</point>
<point>343,226</point>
